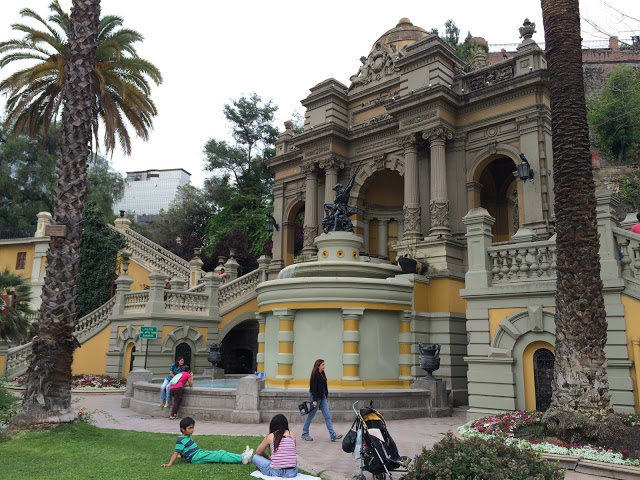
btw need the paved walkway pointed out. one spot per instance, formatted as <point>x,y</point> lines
<point>320,457</point>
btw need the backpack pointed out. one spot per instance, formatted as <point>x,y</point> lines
<point>175,378</point>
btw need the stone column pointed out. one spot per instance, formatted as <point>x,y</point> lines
<point>351,343</point>
<point>263,265</point>
<point>44,219</point>
<point>331,166</point>
<point>479,238</point>
<point>383,236</point>
<point>285,318</point>
<point>310,209</point>
<point>400,229</point>
<point>156,293</point>
<point>606,205</point>
<point>365,233</point>
<point>439,203</point>
<point>261,336</point>
<point>231,266</point>
<point>211,288</point>
<point>122,223</point>
<point>411,208</point>
<point>405,359</point>
<point>178,283</point>
<point>195,271</point>
<point>123,286</point>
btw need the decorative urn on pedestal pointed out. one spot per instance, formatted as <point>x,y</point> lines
<point>214,355</point>
<point>430,357</point>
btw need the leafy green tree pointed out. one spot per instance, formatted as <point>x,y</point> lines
<point>120,78</point>
<point>14,324</point>
<point>614,115</point>
<point>241,184</point>
<point>28,179</point>
<point>466,49</point>
<point>98,263</point>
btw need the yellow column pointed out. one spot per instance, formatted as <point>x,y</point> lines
<point>635,342</point>
<point>285,318</point>
<point>405,341</point>
<point>261,329</point>
<point>351,343</point>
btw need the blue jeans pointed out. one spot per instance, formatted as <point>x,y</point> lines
<point>264,466</point>
<point>323,406</point>
<point>164,391</point>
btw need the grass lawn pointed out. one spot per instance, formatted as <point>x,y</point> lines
<point>83,451</point>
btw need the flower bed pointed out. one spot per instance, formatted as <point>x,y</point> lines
<point>506,425</point>
<point>79,382</point>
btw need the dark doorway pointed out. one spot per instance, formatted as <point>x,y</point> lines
<point>133,356</point>
<point>239,348</point>
<point>184,350</point>
<point>543,361</point>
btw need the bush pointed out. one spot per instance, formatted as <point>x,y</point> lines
<point>476,458</point>
<point>9,405</point>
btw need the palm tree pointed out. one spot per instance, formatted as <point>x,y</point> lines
<point>580,401</point>
<point>120,80</point>
<point>14,306</point>
<point>47,399</point>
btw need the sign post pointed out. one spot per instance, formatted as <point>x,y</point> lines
<point>148,333</point>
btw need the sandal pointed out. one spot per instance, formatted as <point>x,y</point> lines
<point>172,417</point>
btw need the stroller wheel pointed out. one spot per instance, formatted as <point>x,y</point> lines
<point>380,476</point>
<point>359,477</point>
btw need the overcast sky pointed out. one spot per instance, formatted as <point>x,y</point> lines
<point>210,52</point>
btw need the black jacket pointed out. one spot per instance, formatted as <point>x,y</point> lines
<point>318,387</point>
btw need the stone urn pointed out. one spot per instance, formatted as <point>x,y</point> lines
<point>429,357</point>
<point>214,355</point>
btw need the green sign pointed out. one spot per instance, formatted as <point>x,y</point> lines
<point>149,332</point>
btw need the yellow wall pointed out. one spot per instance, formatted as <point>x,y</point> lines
<point>9,255</point>
<point>2,359</point>
<point>527,372</point>
<point>632,325</point>
<point>439,295</point>
<point>251,306</point>
<point>91,357</point>
<point>496,315</point>
<point>140,276</point>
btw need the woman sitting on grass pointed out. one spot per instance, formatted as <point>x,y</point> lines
<point>282,445</point>
<point>187,448</point>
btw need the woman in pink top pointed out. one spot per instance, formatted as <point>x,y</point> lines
<point>282,444</point>
<point>176,390</point>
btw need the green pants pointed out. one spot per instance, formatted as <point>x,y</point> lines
<point>216,456</point>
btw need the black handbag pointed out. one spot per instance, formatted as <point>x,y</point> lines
<point>349,441</point>
<point>304,408</point>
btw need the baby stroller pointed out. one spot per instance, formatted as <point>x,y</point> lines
<point>373,445</point>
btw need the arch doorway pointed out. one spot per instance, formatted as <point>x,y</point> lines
<point>239,348</point>
<point>498,195</point>
<point>380,199</point>
<point>543,363</point>
<point>184,350</point>
<point>293,233</point>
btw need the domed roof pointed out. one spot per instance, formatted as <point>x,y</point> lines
<point>405,33</point>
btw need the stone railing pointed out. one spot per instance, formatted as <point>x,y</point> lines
<point>629,251</point>
<point>186,302</point>
<point>239,288</point>
<point>135,302</point>
<point>152,255</point>
<point>95,320</point>
<point>522,262</point>
<point>84,328</point>
<point>490,75</point>
<point>199,288</point>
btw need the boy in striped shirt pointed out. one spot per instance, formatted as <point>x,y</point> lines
<point>187,448</point>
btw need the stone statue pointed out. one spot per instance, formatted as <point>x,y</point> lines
<point>336,214</point>
<point>363,76</point>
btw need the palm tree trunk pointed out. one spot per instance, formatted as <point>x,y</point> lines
<point>580,398</point>
<point>48,395</point>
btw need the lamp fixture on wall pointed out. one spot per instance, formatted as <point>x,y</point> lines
<point>271,223</point>
<point>524,169</point>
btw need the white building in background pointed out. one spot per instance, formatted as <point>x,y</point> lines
<point>149,191</point>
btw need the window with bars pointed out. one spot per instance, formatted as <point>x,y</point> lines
<point>21,260</point>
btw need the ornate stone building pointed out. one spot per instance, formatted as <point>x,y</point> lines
<point>434,142</point>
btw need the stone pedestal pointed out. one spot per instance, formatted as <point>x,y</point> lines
<point>439,406</point>
<point>213,372</point>
<point>138,375</point>
<point>248,400</point>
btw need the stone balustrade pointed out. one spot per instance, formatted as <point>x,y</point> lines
<point>522,262</point>
<point>239,288</point>
<point>629,251</point>
<point>94,321</point>
<point>135,302</point>
<point>185,302</point>
<point>152,255</point>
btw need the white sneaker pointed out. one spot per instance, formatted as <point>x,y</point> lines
<point>246,455</point>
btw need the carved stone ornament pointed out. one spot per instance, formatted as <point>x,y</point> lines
<point>411,218</point>
<point>380,63</point>
<point>439,213</point>
<point>379,161</point>
<point>309,234</point>
<point>332,163</point>
<point>438,133</point>
<point>309,168</point>
<point>410,141</point>
<point>527,29</point>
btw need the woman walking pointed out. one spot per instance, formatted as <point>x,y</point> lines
<point>318,393</point>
